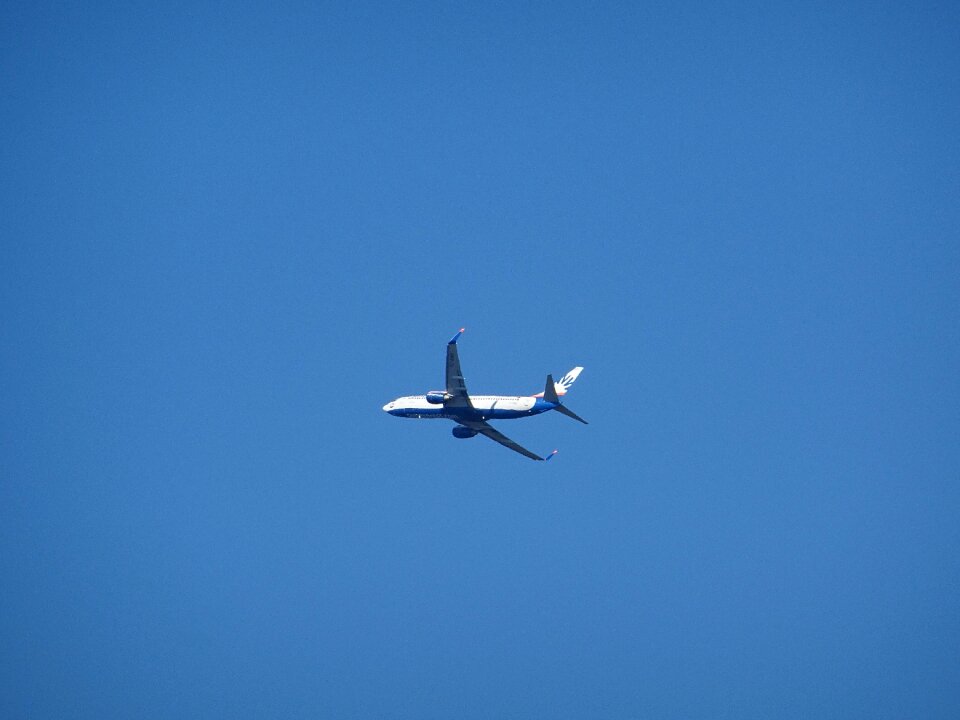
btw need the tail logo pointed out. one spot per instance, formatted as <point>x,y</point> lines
<point>564,383</point>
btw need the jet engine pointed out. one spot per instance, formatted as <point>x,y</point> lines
<point>438,397</point>
<point>462,432</point>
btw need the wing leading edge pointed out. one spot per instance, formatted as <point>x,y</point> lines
<point>457,390</point>
<point>456,386</point>
<point>485,429</point>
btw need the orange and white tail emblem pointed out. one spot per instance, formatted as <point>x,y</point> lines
<point>564,383</point>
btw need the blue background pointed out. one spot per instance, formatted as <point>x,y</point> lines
<point>232,231</point>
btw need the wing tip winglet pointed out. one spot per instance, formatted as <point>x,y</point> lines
<point>453,340</point>
<point>551,455</point>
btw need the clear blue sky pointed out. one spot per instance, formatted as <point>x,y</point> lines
<point>229,232</point>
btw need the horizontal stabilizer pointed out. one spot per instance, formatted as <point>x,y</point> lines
<point>550,395</point>
<point>570,413</point>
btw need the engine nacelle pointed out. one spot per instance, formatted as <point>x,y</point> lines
<point>438,397</point>
<point>462,432</point>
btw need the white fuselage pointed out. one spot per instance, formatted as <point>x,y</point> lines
<point>497,407</point>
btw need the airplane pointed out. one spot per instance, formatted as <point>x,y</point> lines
<point>471,412</point>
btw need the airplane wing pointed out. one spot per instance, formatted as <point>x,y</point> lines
<point>456,387</point>
<point>485,429</point>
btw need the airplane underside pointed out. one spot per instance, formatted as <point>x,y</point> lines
<point>471,413</point>
<point>493,413</point>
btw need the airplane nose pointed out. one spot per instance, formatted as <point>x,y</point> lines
<point>388,407</point>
